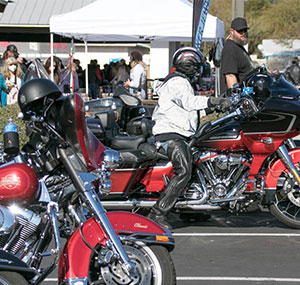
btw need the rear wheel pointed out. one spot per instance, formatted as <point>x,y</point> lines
<point>11,278</point>
<point>154,266</point>
<point>286,207</point>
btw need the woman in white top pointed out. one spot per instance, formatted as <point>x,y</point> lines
<point>136,83</point>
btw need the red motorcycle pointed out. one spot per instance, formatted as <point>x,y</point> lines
<point>51,190</point>
<point>245,157</point>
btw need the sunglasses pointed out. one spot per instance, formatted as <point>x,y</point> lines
<point>242,31</point>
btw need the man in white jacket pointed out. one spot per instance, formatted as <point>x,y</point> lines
<point>176,119</point>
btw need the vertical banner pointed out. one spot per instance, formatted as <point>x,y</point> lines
<point>200,10</point>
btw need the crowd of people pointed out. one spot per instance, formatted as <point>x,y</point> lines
<point>132,76</point>
<point>235,64</point>
<point>71,76</point>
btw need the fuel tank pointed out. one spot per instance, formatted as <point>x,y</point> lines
<point>18,184</point>
<point>223,138</point>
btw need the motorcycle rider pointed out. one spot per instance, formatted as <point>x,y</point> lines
<point>176,119</point>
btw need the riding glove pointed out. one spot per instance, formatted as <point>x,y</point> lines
<point>220,104</point>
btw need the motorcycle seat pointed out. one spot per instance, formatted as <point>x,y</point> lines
<point>132,158</point>
<point>126,142</point>
<point>107,118</point>
<point>151,152</point>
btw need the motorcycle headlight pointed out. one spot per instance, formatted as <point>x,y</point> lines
<point>111,158</point>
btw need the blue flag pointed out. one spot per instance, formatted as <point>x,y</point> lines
<point>200,10</point>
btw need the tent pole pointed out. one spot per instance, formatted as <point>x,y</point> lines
<point>86,70</point>
<point>51,51</point>
<point>71,66</point>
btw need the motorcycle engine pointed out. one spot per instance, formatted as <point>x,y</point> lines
<point>18,230</point>
<point>221,171</point>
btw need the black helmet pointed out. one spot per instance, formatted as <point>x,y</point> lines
<point>261,84</point>
<point>188,60</point>
<point>33,93</point>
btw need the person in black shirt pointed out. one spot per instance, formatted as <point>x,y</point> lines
<point>235,61</point>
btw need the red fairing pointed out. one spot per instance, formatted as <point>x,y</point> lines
<point>120,180</point>
<point>90,146</point>
<point>260,150</point>
<point>75,258</point>
<point>254,142</point>
<point>18,183</point>
<point>153,179</point>
<point>273,172</point>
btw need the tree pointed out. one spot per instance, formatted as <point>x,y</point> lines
<point>267,19</point>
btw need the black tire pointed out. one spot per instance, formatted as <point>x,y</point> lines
<point>286,206</point>
<point>281,217</point>
<point>12,278</point>
<point>169,273</point>
<point>153,264</point>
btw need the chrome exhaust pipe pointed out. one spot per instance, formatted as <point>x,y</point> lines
<point>127,205</point>
<point>183,204</point>
<point>236,188</point>
<point>131,204</point>
<point>205,207</point>
<point>224,200</point>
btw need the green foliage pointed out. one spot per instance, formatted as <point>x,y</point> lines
<point>211,117</point>
<point>12,111</point>
<point>267,19</point>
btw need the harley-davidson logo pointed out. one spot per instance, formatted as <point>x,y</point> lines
<point>139,225</point>
<point>10,181</point>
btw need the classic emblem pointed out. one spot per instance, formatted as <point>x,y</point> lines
<point>139,225</point>
<point>10,181</point>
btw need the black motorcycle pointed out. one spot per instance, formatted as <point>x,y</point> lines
<point>121,121</point>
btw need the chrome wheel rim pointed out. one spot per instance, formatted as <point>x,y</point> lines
<point>148,270</point>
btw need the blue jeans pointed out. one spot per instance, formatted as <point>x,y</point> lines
<point>136,93</point>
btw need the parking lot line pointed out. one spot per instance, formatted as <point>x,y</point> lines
<point>251,279</point>
<point>237,234</point>
<point>208,278</point>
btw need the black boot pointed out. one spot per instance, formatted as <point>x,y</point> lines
<point>160,219</point>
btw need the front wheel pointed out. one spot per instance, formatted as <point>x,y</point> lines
<point>11,278</point>
<point>286,206</point>
<point>154,266</point>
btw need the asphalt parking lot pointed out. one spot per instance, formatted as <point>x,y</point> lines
<point>251,248</point>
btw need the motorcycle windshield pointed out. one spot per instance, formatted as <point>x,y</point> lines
<point>281,88</point>
<point>71,123</point>
<point>90,146</point>
<point>36,69</point>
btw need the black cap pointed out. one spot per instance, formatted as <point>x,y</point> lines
<point>239,24</point>
<point>13,49</point>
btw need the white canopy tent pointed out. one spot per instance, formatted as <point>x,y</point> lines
<point>133,21</point>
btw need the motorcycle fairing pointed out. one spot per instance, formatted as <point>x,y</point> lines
<point>260,150</point>
<point>75,258</point>
<point>277,167</point>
